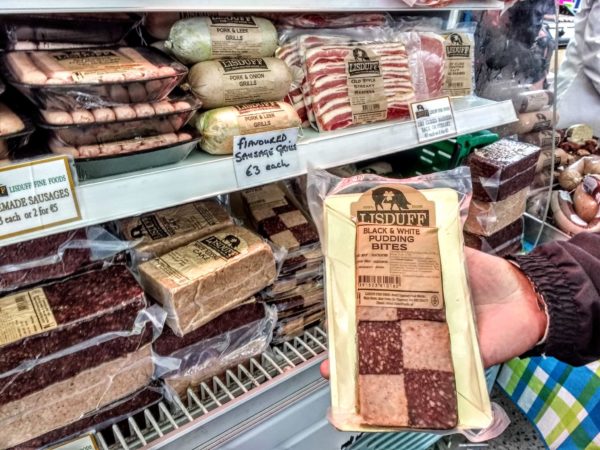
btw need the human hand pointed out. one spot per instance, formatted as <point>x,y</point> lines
<point>509,321</point>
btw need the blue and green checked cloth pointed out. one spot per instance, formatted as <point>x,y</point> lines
<point>562,401</point>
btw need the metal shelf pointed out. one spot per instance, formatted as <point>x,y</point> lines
<point>202,175</point>
<point>39,6</point>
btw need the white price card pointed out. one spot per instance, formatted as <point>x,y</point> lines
<point>434,119</point>
<point>35,195</point>
<point>263,157</point>
<point>86,442</point>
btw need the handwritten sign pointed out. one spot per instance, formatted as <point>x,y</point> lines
<point>36,195</point>
<point>83,443</point>
<point>434,119</point>
<point>263,157</point>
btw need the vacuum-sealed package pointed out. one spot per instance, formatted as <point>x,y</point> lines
<point>71,347</point>
<point>228,340</point>
<point>459,47</point>
<point>402,337</point>
<point>15,130</point>
<point>99,419</point>
<point>159,232</point>
<point>209,276</point>
<point>89,78</point>
<point>56,256</point>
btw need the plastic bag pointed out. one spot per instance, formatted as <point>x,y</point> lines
<point>56,256</point>
<point>434,207</point>
<point>309,21</point>
<point>224,342</point>
<point>200,281</point>
<point>88,347</point>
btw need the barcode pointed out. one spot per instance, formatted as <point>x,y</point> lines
<point>379,279</point>
<point>22,303</point>
<point>456,84</point>
<point>371,107</point>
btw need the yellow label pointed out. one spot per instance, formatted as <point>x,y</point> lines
<point>259,117</point>
<point>90,65</point>
<point>234,36</point>
<point>458,79</point>
<point>365,87</point>
<point>397,250</point>
<point>245,80</point>
<point>206,255</point>
<point>25,314</point>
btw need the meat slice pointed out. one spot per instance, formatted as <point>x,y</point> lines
<point>432,57</point>
<point>328,82</point>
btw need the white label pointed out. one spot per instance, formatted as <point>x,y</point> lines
<point>262,157</point>
<point>37,195</point>
<point>83,443</point>
<point>434,119</point>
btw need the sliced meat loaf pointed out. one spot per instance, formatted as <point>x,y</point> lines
<point>62,403</point>
<point>84,306</point>
<point>208,277</point>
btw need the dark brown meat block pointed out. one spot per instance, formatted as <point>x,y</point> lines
<point>431,397</point>
<point>487,190</point>
<point>301,311</point>
<point>379,348</point>
<point>168,342</point>
<point>84,306</point>
<point>62,368</point>
<point>509,236</point>
<point>130,405</point>
<point>73,259</point>
<point>303,300</point>
<point>503,160</point>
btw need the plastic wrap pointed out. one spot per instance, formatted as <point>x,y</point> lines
<point>92,78</point>
<point>291,327</point>
<point>159,24</point>
<point>230,339</point>
<point>15,131</point>
<point>308,21</point>
<point>71,347</point>
<point>99,419</point>
<point>276,217</point>
<point>97,126</point>
<point>65,29</point>
<point>228,82</point>
<point>506,241</point>
<point>486,218</point>
<point>350,82</point>
<point>304,296</point>
<point>218,127</point>
<point>197,39</point>
<point>532,101</point>
<point>56,256</point>
<point>438,331</point>
<point>287,284</point>
<point>502,169</point>
<point>530,122</point>
<point>160,232</point>
<point>123,147</point>
<point>214,274</point>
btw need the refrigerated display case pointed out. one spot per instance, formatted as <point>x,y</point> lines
<point>277,399</point>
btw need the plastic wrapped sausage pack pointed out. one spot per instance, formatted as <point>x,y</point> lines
<point>402,337</point>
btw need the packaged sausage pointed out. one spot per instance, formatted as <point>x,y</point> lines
<point>226,82</point>
<point>219,126</point>
<point>82,29</point>
<point>105,125</point>
<point>402,335</point>
<point>15,131</point>
<point>93,77</point>
<point>202,38</point>
<point>102,160</point>
<point>532,101</point>
<point>530,122</point>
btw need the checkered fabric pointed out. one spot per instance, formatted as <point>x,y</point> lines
<point>562,401</point>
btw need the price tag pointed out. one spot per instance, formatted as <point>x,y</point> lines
<point>263,157</point>
<point>36,195</point>
<point>434,119</point>
<point>83,443</point>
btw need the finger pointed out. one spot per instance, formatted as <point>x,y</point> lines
<point>325,369</point>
